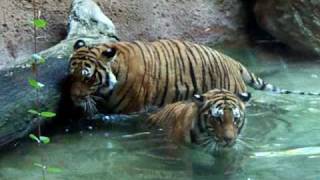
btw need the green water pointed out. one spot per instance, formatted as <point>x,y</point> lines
<point>281,141</point>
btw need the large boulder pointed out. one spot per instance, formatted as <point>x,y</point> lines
<point>17,97</point>
<point>202,21</point>
<point>294,22</point>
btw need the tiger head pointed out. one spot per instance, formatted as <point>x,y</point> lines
<point>90,70</point>
<point>221,117</point>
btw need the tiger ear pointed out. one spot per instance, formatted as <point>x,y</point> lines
<point>78,44</point>
<point>199,99</point>
<point>245,96</point>
<point>109,52</point>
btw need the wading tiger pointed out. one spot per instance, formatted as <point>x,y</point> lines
<point>212,120</point>
<point>126,77</point>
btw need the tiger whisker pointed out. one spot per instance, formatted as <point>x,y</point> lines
<point>97,98</point>
<point>244,143</point>
<point>246,138</point>
<point>206,142</point>
<point>89,106</point>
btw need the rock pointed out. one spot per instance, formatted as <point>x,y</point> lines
<point>201,21</point>
<point>16,30</point>
<point>88,21</point>
<point>294,22</point>
<point>17,97</point>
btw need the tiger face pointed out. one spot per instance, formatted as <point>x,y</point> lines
<point>221,118</point>
<point>90,71</point>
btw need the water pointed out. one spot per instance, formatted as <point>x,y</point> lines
<point>281,138</point>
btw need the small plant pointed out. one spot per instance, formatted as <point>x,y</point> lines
<point>37,59</point>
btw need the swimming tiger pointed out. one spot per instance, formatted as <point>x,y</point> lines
<point>126,77</point>
<point>213,120</point>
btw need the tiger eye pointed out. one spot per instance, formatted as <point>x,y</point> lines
<point>78,44</point>
<point>87,65</point>
<point>109,53</point>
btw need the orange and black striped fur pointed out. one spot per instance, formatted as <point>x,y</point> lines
<point>212,120</point>
<point>126,77</point>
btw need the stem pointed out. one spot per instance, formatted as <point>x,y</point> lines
<point>37,90</point>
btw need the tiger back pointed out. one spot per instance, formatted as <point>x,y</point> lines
<point>157,73</point>
<point>126,77</point>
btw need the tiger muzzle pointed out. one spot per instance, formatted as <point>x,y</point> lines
<point>79,92</point>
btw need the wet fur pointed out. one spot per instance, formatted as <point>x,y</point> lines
<point>181,120</point>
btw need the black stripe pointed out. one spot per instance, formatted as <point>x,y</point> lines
<point>200,123</point>
<point>217,69</point>
<point>204,74</point>
<point>263,86</point>
<point>187,95</point>
<point>209,66</point>
<point>167,75</point>
<point>150,74</point>
<point>212,66</point>
<point>193,137</point>
<point>180,55</point>
<point>159,72</point>
<point>177,73</point>
<point>144,63</point>
<point>130,50</point>
<point>116,106</point>
<point>191,72</point>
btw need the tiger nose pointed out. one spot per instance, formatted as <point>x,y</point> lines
<point>229,138</point>
<point>77,92</point>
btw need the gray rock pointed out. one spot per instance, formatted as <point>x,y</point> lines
<point>294,22</point>
<point>17,97</point>
<point>88,21</point>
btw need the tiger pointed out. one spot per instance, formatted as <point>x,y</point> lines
<point>213,120</point>
<point>125,77</point>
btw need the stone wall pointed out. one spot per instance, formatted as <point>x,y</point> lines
<point>202,21</point>
<point>294,22</point>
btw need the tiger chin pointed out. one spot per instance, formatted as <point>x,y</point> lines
<point>213,120</point>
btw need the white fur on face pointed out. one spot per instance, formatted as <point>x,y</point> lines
<point>112,80</point>
<point>236,112</point>
<point>216,112</point>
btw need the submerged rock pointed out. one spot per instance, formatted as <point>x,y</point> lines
<point>294,22</point>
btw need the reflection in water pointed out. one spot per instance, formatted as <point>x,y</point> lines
<point>280,141</point>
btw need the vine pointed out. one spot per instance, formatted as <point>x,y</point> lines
<point>37,24</point>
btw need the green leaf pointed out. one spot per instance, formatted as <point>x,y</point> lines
<point>34,137</point>
<point>47,114</point>
<point>54,170</point>
<point>42,61</point>
<point>35,84</point>
<point>32,111</point>
<point>44,139</point>
<point>39,23</point>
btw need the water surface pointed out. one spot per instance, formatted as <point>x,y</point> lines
<point>281,141</point>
